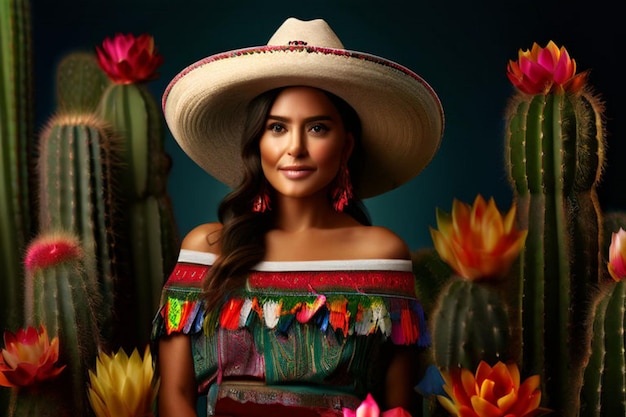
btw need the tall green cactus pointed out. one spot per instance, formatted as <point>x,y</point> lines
<point>470,324</point>
<point>76,170</point>
<point>16,120</point>
<point>555,156</point>
<point>61,294</point>
<point>152,242</point>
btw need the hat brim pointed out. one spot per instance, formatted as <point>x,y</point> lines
<point>401,116</point>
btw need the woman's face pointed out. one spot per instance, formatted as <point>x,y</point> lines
<point>304,142</point>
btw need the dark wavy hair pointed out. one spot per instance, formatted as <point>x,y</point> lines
<point>242,237</point>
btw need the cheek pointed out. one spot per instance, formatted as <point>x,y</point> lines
<point>269,153</point>
<point>328,156</point>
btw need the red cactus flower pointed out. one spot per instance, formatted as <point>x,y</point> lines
<point>477,241</point>
<point>128,60</point>
<point>48,250</point>
<point>617,256</point>
<point>493,392</point>
<point>543,70</point>
<point>29,358</point>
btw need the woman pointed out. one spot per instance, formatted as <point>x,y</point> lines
<point>293,303</point>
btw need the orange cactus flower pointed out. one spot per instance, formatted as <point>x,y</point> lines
<point>127,60</point>
<point>617,256</point>
<point>369,408</point>
<point>477,241</point>
<point>543,70</point>
<point>29,358</point>
<point>493,392</point>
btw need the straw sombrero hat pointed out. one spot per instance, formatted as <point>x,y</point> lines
<point>401,115</point>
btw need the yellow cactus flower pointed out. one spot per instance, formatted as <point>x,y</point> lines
<point>617,256</point>
<point>493,392</point>
<point>123,386</point>
<point>477,241</point>
<point>543,70</point>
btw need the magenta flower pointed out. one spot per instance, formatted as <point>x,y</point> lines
<point>544,70</point>
<point>369,408</point>
<point>128,60</point>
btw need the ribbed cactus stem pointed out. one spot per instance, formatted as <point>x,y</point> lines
<point>61,296</point>
<point>591,394</point>
<point>614,378</point>
<point>470,324</point>
<point>134,114</point>
<point>80,83</point>
<point>127,107</point>
<point>43,401</point>
<point>77,162</point>
<point>16,120</point>
<point>554,158</point>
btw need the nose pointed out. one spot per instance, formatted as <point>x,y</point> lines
<point>297,144</point>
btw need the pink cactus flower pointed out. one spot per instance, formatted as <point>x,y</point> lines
<point>369,408</point>
<point>128,60</point>
<point>544,70</point>
<point>617,256</point>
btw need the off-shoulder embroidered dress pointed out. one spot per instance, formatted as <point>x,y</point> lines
<point>312,332</point>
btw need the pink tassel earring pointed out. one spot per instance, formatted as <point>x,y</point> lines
<point>262,201</point>
<point>342,192</point>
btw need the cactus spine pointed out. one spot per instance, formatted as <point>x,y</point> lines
<point>470,324</point>
<point>61,295</point>
<point>153,242</point>
<point>16,116</point>
<point>555,156</point>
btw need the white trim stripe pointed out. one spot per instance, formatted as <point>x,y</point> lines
<point>405,265</point>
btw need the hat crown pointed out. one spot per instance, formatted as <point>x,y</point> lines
<point>312,33</point>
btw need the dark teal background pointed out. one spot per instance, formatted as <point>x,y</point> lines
<point>460,48</point>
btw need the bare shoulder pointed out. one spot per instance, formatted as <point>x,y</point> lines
<point>204,238</point>
<point>380,242</point>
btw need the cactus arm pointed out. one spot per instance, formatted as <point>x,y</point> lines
<point>614,381</point>
<point>592,388</point>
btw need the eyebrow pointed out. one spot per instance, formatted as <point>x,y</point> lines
<point>307,120</point>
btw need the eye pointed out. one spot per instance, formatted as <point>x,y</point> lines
<point>319,129</point>
<point>275,128</point>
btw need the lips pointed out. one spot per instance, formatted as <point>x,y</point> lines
<point>296,171</point>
